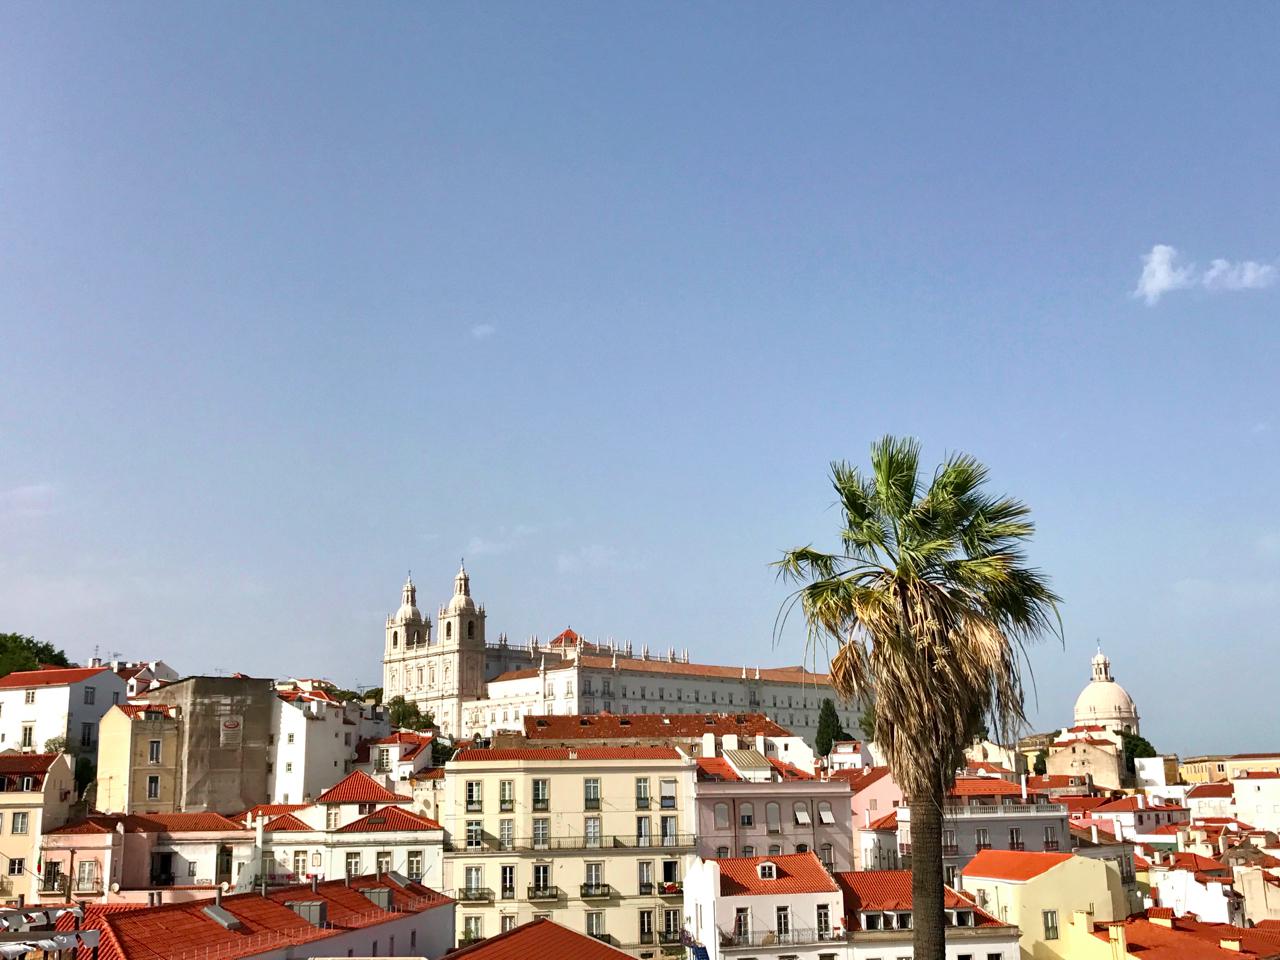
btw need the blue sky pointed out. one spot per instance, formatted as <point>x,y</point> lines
<point>296,297</point>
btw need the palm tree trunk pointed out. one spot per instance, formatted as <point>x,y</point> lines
<point>928,917</point>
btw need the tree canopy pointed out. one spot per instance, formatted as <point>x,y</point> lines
<point>1136,747</point>
<point>829,728</point>
<point>20,652</point>
<point>406,715</point>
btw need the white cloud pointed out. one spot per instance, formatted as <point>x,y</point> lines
<point>504,541</point>
<point>483,331</point>
<point>1163,271</point>
<point>1246,275</point>
<point>30,500</point>
<point>592,557</point>
<point>1160,274</point>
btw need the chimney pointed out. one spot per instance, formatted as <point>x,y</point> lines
<point>217,895</point>
<point>1118,938</point>
<point>1024,788</point>
<point>1230,943</point>
<point>866,818</point>
<point>1093,832</point>
<point>1142,801</point>
<point>708,744</point>
<point>315,883</point>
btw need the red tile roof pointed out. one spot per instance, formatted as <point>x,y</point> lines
<point>269,810</point>
<point>794,873</point>
<point>51,677</point>
<point>985,787</point>
<point>861,778</point>
<point>390,819</point>
<point>1258,775</point>
<point>1131,805</point>
<point>26,762</point>
<point>714,769</point>
<point>286,823</point>
<point>878,890</point>
<point>138,711</point>
<point>151,823</point>
<point>1079,805</point>
<point>888,822</point>
<point>1183,938</point>
<point>359,787</point>
<point>536,940</point>
<point>1184,860</point>
<point>566,638</point>
<point>1212,790</point>
<point>1014,865</point>
<point>772,674</point>
<point>789,771</point>
<point>1053,781</point>
<point>598,726</point>
<point>558,754</point>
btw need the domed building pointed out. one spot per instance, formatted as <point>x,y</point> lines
<point>1104,703</point>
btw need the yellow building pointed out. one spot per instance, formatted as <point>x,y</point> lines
<point>595,838</point>
<point>1221,768</point>
<point>37,791</point>
<point>1039,892</point>
<point>1158,934</point>
<point>138,746</point>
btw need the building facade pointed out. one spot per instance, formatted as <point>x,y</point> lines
<point>37,794</point>
<point>138,759</point>
<point>40,707</point>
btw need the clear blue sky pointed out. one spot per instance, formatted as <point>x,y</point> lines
<point>296,297</point>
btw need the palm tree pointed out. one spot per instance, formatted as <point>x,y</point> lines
<point>928,606</point>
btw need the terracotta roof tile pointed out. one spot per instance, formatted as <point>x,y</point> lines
<point>888,822</point>
<point>985,787</point>
<point>359,787</point>
<point>789,771</point>
<point>1012,865</point>
<point>269,810</point>
<point>26,762</point>
<point>877,890</point>
<point>551,754</point>
<point>860,779</point>
<point>599,726</point>
<point>52,677</point>
<point>138,711</point>
<point>536,940</point>
<point>795,873</point>
<point>1132,805</point>
<point>714,769</point>
<point>1211,790</point>
<point>286,823</point>
<point>1184,938</point>
<point>390,819</point>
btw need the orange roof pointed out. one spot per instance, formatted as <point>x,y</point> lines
<point>715,769</point>
<point>1258,775</point>
<point>566,638</point>
<point>1201,790</point>
<point>596,726</point>
<point>773,674</point>
<point>140,710</point>
<point>1183,860</point>
<point>1130,805</point>
<point>789,771</point>
<point>390,819</point>
<point>359,787</point>
<point>26,762</point>
<point>568,753</point>
<point>150,823</point>
<point>286,823</point>
<point>540,938</point>
<point>876,890</point>
<point>984,787</point>
<point>1079,805</point>
<point>1053,781</point>
<point>861,778</point>
<point>1186,939</point>
<point>1015,865</point>
<point>794,873</point>
<point>49,677</point>
<point>269,810</point>
<point>888,822</point>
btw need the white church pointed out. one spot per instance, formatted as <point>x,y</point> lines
<point>472,686</point>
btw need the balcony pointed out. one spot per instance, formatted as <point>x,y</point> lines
<point>668,803</point>
<point>490,844</point>
<point>541,894</point>
<point>591,803</point>
<point>475,806</point>
<point>506,806</point>
<point>541,804</point>
<point>646,889</point>
<point>474,895</point>
<point>982,845</point>
<point>669,937</point>
<point>596,891</point>
<point>604,938</point>
<point>764,938</point>
<point>671,888</point>
<point>950,850</point>
<point>646,937</point>
<point>642,803</point>
<point>1051,845</point>
<point>508,893</point>
<point>1017,845</point>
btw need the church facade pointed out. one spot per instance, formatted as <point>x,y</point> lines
<point>472,686</point>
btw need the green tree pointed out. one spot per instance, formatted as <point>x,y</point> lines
<point>374,694</point>
<point>927,605</point>
<point>1041,766</point>
<point>829,729</point>
<point>1136,747</point>
<point>867,721</point>
<point>20,652</point>
<point>405,715</point>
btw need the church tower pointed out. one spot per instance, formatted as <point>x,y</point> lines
<point>462,637</point>
<point>408,636</point>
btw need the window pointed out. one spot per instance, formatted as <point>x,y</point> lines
<point>507,882</point>
<point>824,921</point>
<point>594,875</point>
<point>827,854</point>
<point>724,851</point>
<point>669,835</point>
<point>768,871</point>
<point>506,834</point>
<point>28,735</point>
<point>474,878</point>
<point>595,923</point>
<point>982,838</point>
<point>748,850</point>
<point>643,825</point>
<point>474,799</point>
<point>382,861</point>
<point>783,928</point>
<point>288,767</point>
<point>542,794</point>
<point>824,812</point>
<point>86,734</point>
<point>19,822</point>
<point>332,816</point>
<point>414,864</point>
<point>591,793</point>
<point>1050,918</point>
<point>470,924</point>
<point>667,793</point>
<point>646,876</point>
<point>542,876</point>
<point>670,871</point>
<point>646,926</point>
<point>299,864</point>
<point>384,759</point>
<point>1050,837</point>
<point>722,816</point>
<point>289,739</point>
<point>508,922</point>
<point>90,694</point>
<point>475,834</point>
<point>1015,838</point>
<point>29,696</point>
<point>670,922</point>
<point>591,831</point>
<point>541,832</point>
<point>353,864</point>
<point>742,923</point>
<point>506,796</point>
<point>153,787</point>
<point>775,849</point>
<point>801,810</point>
<point>17,866</point>
<point>773,817</point>
<point>153,752</point>
<point>746,815</point>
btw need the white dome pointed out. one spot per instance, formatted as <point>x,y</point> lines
<point>1105,703</point>
<point>408,613</point>
<point>461,603</point>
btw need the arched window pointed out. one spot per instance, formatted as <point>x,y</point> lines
<point>773,817</point>
<point>775,849</point>
<point>824,812</point>
<point>471,630</point>
<point>802,848</point>
<point>419,676</point>
<point>722,816</point>
<point>395,639</point>
<point>828,855</point>
<point>417,637</point>
<point>448,631</point>
<point>802,813</point>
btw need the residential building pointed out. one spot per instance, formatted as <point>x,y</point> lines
<point>1215,767</point>
<point>985,813</point>
<point>1158,935</point>
<point>56,707</point>
<point>873,793</point>
<point>597,838</point>
<point>1257,798</point>
<point>138,675</point>
<point>1009,760</point>
<point>398,756</point>
<point>365,916</point>
<point>849,755</point>
<point>1208,895</point>
<point>877,844</point>
<point>1038,892</point>
<point>749,805</point>
<point>471,686</point>
<point>224,740</point>
<point>1058,785</point>
<point>315,738</point>
<point>139,755</point>
<point>37,793</point>
<point>1155,773</point>
<point>1133,819</point>
<point>1086,753</point>
<point>878,921</point>
<point>536,939</point>
<point>764,907</point>
<point>1211,799</point>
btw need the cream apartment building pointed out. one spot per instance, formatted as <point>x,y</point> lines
<point>37,791</point>
<point>595,838</point>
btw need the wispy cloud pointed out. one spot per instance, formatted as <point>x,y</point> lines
<point>29,500</point>
<point>504,541</point>
<point>483,331</point>
<point>593,557</point>
<point>1164,270</point>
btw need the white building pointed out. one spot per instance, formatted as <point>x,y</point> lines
<point>1257,799</point>
<point>37,706</point>
<point>398,756</point>
<point>314,740</point>
<point>1104,702</point>
<point>139,675</point>
<point>470,686</point>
